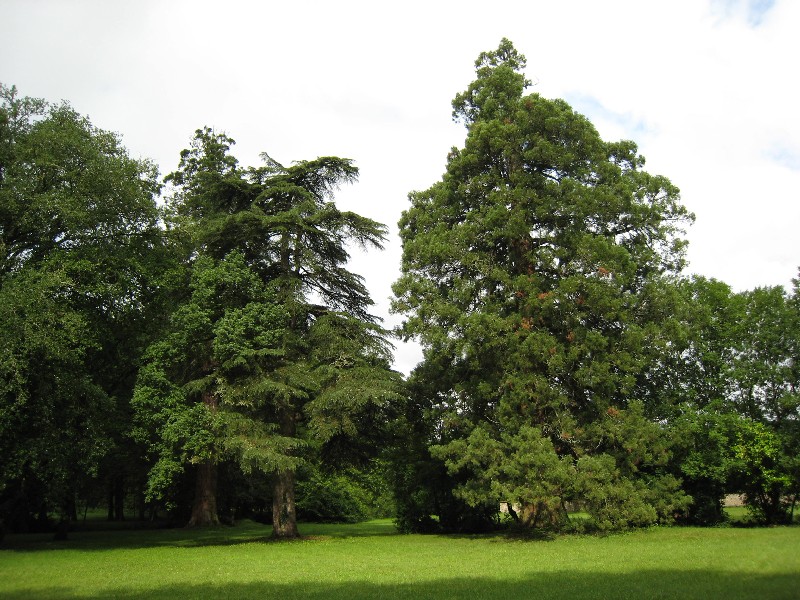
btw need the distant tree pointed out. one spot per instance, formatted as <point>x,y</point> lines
<point>729,390</point>
<point>81,258</point>
<point>689,389</point>
<point>697,365</point>
<point>765,371</point>
<point>538,275</point>
<point>766,383</point>
<point>425,492</point>
<point>274,345</point>
<point>705,458</point>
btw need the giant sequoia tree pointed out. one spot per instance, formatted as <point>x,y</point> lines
<point>273,345</point>
<point>536,275</point>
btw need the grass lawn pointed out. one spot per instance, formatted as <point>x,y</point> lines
<point>370,560</point>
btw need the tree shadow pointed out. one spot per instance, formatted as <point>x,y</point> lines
<point>566,585</point>
<point>223,535</point>
<point>132,539</point>
<point>377,528</point>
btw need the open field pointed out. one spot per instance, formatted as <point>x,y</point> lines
<point>370,560</point>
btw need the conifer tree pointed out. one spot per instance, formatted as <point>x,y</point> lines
<point>536,275</point>
<point>274,344</point>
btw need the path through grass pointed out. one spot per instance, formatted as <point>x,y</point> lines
<point>370,561</point>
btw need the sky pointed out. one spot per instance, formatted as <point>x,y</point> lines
<point>708,89</point>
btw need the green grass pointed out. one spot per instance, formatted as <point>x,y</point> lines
<point>738,514</point>
<point>370,561</point>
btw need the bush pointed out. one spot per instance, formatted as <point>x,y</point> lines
<point>346,496</point>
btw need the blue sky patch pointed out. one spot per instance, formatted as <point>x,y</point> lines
<point>594,109</point>
<point>784,156</point>
<point>753,11</point>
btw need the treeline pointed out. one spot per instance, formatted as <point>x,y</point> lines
<point>191,359</point>
<point>196,348</point>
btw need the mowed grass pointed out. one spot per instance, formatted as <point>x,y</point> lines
<point>370,560</point>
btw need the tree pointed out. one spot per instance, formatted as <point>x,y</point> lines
<point>177,395</point>
<point>727,387</point>
<point>538,275</point>
<point>80,259</point>
<point>425,493</point>
<point>704,458</point>
<point>697,365</point>
<point>765,393</point>
<point>765,371</point>
<point>688,390</point>
<point>275,344</point>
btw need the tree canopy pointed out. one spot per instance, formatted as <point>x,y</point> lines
<point>536,274</point>
<point>274,345</point>
<point>198,348</point>
<point>81,256</point>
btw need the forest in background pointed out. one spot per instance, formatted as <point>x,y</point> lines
<point>195,348</point>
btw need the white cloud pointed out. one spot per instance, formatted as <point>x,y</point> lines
<point>707,90</point>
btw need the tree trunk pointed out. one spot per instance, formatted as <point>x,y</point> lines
<point>116,498</point>
<point>204,508</point>
<point>110,501</point>
<point>284,516</point>
<point>62,530</point>
<point>141,505</point>
<point>284,513</point>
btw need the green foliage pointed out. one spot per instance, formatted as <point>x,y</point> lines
<point>331,499</point>
<point>81,263</point>
<point>228,321</point>
<point>625,480</point>
<point>706,459</point>
<point>538,276</point>
<point>765,369</point>
<point>424,491</point>
<point>717,329</point>
<point>522,467</point>
<point>274,346</point>
<point>497,88</point>
<point>762,471</point>
<point>738,368</point>
<point>345,496</point>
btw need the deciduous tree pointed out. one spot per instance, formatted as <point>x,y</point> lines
<point>81,255</point>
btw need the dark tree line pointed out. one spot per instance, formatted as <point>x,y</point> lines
<point>81,258</point>
<point>196,348</point>
<point>146,348</point>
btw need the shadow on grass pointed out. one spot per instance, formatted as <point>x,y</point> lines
<point>135,540</point>
<point>243,533</point>
<point>375,528</point>
<point>571,585</point>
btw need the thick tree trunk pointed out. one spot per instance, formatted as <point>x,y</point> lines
<point>204,508</point>
<point>116,498</point>
<point>110,502</point>
<point>62,530</point>
<point>284,516</point>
